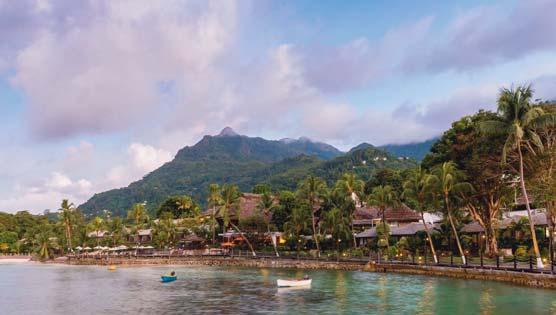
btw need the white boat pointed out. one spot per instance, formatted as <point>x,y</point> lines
<point>294,282</point>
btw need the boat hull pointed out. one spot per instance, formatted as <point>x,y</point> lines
<point>168,278</point>
<point>294,283</point>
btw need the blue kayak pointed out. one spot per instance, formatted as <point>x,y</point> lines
<point>168,278</point>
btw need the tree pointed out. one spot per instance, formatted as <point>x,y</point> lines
<point>214,200</point>
<point>383,197</point>
<point>44,241</point>
<point>164,232</point>
<point>117,229</point>
<point>261,189</point>
<point>67,218</point>
<point>179,207</point>
<point>520,121</point>
<point>337,225</point>
<point>297,225</point>
<point>266,204</point>
<point>351,189</point>
<point>286,203</point>
<point>419,188</point>
<point>384,177</point>
<point>230,203</point>
<point>138,214</point>
<point>97,225</point>
<point>310,192</point>
<point>448,183</point>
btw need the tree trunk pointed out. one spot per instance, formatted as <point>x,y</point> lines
<point>272,239</point>
<point>430,239</point>
<point>68,236</point>
<point>213,225</point>
<point>492,243</point>
<point>245,238</point>
<point>315,237</point>
<point>531,223</point>
<point>455,232</point>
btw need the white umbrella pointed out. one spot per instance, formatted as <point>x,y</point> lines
<point>97,247</point>
<point>87,248</point>
<point>79,248</point>
<point>148,247</point>
<point>122,247</point>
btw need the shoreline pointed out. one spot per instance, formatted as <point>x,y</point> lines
<point>546,281</point>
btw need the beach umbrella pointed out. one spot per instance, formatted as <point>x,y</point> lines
<point>98,247</point>
<point>87,248</point>
<point>79,248</point>
<point>122,247</point>
<point>148,247</point>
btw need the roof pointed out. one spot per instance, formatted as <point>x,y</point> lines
<point>539,219</point>
<point>404,230</point>
<point>193,238</point>
<point>98,234</point>
<point>402,213</point>
<point>145,232</point>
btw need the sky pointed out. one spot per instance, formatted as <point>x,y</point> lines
<point>95,94</point>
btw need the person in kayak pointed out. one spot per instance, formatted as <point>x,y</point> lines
<point>173,273</point>
<point>306,277</point>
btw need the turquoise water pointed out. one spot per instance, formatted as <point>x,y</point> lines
<point>58,289</point>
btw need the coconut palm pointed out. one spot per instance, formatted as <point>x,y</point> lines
<point>446,179</point>
<point>266,204</point>
<point>214,199</point>
<point>310,192</point>
<point>230,203</point>
<point>297,225</point>
<point>97,225</point>
<point>117,229</point>
<point>67,218</point>
<point>43,239</point>
<point>519,120</point>
<point>383,197</point>
<point>138,214</point>
<point>419,188</point>
<point>352,189</point>
<point>337,225</point>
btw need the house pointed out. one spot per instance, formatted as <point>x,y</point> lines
<point>396,232</point>
<point>143,236</point>
<point>368,216</point>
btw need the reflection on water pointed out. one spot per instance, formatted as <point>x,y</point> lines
<point>48,289</point>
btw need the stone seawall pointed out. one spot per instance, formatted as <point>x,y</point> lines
<point>547,281</point>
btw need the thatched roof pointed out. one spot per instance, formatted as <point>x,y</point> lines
<point>402,213</point>
<point>403,230</point>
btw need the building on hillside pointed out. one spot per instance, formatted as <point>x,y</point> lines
<point>143,236</point>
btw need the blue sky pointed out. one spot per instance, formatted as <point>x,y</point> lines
<point>95,94</point>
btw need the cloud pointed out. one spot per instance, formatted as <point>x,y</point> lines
<point>108,71</point>
<point>142,159</point>
<point>48,193</point>
<point>486,36</point>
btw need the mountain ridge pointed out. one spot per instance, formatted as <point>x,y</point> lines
<point>246,161</point>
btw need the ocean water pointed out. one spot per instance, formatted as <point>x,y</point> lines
<point>59,289</point>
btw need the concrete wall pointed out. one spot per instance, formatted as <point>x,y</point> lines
<point>521,278</point>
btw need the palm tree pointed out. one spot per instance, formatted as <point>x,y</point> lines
<point>418,187</point>
<point>310,192</point>
<point>337,225</point>
<point>447,181</point>
<point>383,197</point>
<point>519,120</point>
<point>96,226</point>
<point>43,239</point>
<point>297,225</point>
<point>352,189</point>
<point>138,214</point>
<point>67,216</point>
<point>117,229</point>
<point>266,204</point>
<point>230,202</point>
<point>214,200</point>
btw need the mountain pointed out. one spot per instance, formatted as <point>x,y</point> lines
<point>245,161</point>
<point>416,150</point>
